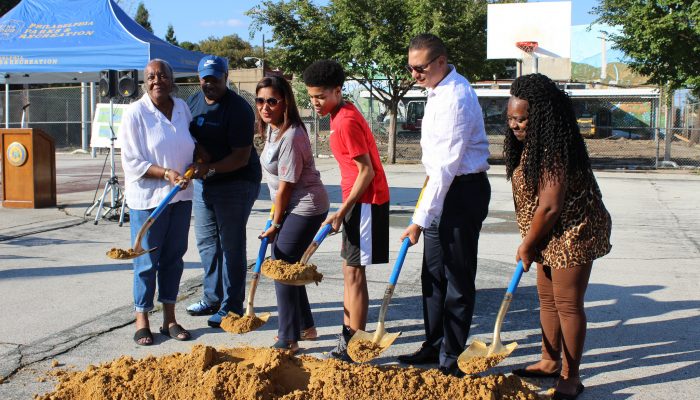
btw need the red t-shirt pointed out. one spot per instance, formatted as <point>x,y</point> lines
<point>351,137</point>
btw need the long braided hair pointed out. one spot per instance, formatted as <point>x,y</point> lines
<point>553,142</point>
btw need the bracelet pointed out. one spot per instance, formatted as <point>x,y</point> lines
<point>165,174</point>
<point>277,226</point>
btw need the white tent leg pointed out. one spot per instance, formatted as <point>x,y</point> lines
<point>7,106</point>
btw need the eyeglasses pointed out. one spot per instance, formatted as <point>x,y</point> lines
<point>420,68</point>
<point>271,101</point>
<point>162,77</point>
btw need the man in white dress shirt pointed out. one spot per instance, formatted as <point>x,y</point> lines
<point>455,202</point>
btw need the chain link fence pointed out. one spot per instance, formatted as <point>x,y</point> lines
<point>620,131</point>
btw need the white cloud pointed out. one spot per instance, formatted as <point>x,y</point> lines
<point>232,22</point>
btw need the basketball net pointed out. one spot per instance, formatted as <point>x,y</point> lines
<point>528,46</point>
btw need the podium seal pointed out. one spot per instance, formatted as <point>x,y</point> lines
<point>16,154</point>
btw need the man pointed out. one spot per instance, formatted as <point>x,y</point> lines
<point>364,214</point>
<point>454,204</point>
<point>229,174</point>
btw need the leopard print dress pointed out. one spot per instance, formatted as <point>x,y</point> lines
<point>582,232</point>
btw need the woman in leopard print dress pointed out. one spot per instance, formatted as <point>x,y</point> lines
<point>561,217</point>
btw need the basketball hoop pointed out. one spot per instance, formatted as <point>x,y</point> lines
<point>528,46</point>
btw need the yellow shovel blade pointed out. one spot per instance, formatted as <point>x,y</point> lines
<point>365,346</point>
<point>479,357</point>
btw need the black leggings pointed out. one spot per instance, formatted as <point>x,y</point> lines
<point>293,307</point>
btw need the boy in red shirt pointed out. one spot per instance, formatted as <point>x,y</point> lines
<point>364,214</point>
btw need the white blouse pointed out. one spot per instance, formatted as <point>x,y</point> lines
<point>149,138</point>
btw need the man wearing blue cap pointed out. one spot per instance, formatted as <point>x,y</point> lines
<point>228,182</point>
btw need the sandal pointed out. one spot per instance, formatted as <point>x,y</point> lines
<point>143,333</point>
<point>174,332</point>
<point>284,345</point>
<point>563,396</point>
<point>309,334</point>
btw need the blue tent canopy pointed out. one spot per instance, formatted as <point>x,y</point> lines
<point>49,41</point>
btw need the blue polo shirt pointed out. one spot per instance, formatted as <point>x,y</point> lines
<point>226,124</point>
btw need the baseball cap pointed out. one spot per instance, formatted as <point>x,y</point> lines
<point>212,66</point>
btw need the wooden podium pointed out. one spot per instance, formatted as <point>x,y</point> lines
<point>28,168</point>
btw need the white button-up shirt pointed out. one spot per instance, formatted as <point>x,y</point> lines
<point>149,138</point>
<point>453,141</point>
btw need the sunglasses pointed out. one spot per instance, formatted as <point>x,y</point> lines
<point>420,68</point>
<point>271,101</point>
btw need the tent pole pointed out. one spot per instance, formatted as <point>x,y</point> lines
<point>93,152</point>
<point>83,115</point>
<point>7,106</point>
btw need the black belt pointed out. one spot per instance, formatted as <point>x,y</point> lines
<point>470,177</point>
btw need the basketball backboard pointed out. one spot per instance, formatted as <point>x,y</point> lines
<point>547,23</point>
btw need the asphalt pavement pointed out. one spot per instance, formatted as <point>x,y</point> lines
<point>62,299</point>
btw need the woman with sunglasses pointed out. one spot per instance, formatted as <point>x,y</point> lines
<point>300,200</point>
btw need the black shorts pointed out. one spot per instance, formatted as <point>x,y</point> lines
<point>366,235</point>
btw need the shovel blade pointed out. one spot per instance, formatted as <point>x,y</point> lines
<point>385,340</point>
<point>129,254</point>
<point>479,349</point>
<point>264,317</point>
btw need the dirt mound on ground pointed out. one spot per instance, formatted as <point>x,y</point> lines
<point>262,374</point>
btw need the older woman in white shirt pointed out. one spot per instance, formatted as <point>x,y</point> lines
<point>156,150</point>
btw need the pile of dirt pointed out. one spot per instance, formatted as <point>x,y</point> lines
<point>283,271</point>
<point>363,350</point>
<point>480,364</point>
<point>234,323</point>
<point>266,374</point>
<point>121,254</point>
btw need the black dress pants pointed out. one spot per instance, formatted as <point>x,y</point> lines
<point>449,266</point>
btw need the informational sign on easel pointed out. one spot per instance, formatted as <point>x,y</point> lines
<point>101,133</point>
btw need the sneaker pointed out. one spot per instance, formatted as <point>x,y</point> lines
<point>341,348</point>
<point>202,308</point>
<point>215,320</point>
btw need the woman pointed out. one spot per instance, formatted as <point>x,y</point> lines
<point>156,150</point>
<point>561,217</point>
<point>300,199</point>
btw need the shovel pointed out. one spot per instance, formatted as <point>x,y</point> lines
<point>318,239</point>
<point>256,273</point>
<point>381,339</point>
<point>138,250</point>
<point>496,351</point>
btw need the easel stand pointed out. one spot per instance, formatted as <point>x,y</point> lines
<point>112,186</point>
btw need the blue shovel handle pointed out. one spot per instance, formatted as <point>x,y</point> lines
<point>516,278</point>
<point>164,203</point>
<point>322,233</point>
<point>399,261</point>
<point>263,245</point>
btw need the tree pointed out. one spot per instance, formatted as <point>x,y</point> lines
<point>232,47</point>
<point>190,46</point>
<point>370,38</point>
<point>170,35</point>
<point>662,37</point>
<point>7,5</point>
<point>142,17</point>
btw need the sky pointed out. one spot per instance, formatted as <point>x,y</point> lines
<point>197,20</point>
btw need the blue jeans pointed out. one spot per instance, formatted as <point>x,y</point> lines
<point>221,213</point>
<point>164,265</point>
<point>293,306</point>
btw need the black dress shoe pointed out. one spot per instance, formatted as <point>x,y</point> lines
<point>456,372</point>
<point>426,355</point>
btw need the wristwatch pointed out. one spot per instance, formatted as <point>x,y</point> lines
<point>277,226</point>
